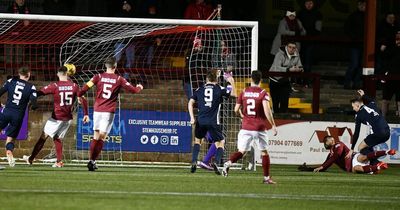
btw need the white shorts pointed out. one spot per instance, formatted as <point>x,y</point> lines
<point>245,139</point>
<point>56,128</point>
<point>103,121</point>
<point>355,162</point>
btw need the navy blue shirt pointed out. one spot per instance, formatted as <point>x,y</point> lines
<point>20,92</point>
<point>209,98</point>
<point>369,115</point>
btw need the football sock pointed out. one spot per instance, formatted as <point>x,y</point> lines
<point>235,157</point>
<point>195,153</point>
<point>92,148</point>
<point>211,152</point>
<point>59,148</point>
<point>265,165</point>
<point>376,154</point>
<point>98,148</point>
<point>38,146</point>
<point>10,146</point>
<point>366,150</point>
<point>370,168</point>
<point>218,155</point>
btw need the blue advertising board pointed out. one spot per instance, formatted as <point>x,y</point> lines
<point>141,131</point>
<point>23,132</point>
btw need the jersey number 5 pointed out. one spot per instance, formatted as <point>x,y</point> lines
<point>17,94</point>
<point>107,91</point>
<point>65,98</point>
<point>251,105</point>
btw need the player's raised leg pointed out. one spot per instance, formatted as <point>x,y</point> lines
<point>37,148</point>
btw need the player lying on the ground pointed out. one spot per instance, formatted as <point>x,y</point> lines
<point>253,107</point>
<point>359,163</point>
<point>64,93</point>
<point>20,92</point>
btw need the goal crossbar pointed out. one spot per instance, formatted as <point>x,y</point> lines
<point>251,24</point>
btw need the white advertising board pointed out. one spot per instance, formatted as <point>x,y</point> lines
<point>300,141</point>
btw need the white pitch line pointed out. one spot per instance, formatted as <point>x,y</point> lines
<point>369,199</point>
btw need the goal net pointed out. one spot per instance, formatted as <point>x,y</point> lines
<point>169,58</point>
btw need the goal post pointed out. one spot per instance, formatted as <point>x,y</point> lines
<point>169,57</point>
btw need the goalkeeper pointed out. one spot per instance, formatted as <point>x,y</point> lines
<point>359,163</point>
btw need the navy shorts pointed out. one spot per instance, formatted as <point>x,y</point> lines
<point>214,131</point>
<point>377,138</point>
<point>14,121</point>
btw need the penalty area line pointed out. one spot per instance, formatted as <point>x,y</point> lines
<point>349,198</point>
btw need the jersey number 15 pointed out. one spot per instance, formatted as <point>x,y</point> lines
<point>65,98</point>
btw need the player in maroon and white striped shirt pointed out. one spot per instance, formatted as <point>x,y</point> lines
<point>108,86</point>
<point>64,93</point>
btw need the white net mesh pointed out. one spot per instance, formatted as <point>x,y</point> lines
<point>169,60</point>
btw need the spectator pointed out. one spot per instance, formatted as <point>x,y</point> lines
<point>354,29</point>
<point>385,35</point>
<point>125,8</point>
<point>288,26</point>
<point>14,53</point>
<point>311,19</point>
<point>286,60</point>
<point>151,11</point>
<point>198,10</point>
<point>56,7</point>
<point>391,67</point>
<point>19,7</point>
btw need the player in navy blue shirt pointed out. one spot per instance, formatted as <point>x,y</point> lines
<point>209,98</point>
<point>369,115</point>
<point>20,92</point>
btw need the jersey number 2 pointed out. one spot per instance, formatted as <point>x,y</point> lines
<point>251,105</point>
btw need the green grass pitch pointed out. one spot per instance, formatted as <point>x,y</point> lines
<point>42,187</point>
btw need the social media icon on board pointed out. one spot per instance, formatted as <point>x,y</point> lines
<point>164,140</point>
<point>154,139</point>
<point>174,140</point>
<point>144,139</point>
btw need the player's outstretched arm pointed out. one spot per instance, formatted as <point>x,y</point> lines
<point>228,77</point>
<point>355,139</point>
<point>89,85</point>
<point>191,113</point>
<point>33,99</point>
<point>85,88</point>
<point>129,87</point>
<point>82,100</point>
<point>270,117</point>
<point>238,110</point>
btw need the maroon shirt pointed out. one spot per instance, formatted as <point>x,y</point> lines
<point>337,155</point>
<point>108,87</point>
<point>254,116</point>
<point>64,94</point>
